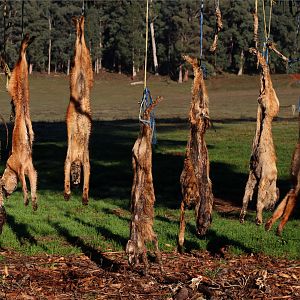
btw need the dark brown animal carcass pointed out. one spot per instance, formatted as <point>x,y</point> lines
<point>142,195</point>
<point>196,185</point>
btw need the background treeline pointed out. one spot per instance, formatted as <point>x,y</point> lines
<point>115,32</point>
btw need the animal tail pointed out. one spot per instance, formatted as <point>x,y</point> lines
<point>75,172</point>
<point>25,43</point>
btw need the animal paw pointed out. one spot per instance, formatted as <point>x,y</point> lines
<point>34,206</point>
<point>26,201</point>
<point>67,196</point>
<point>85,200</point>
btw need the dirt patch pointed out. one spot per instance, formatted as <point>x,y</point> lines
<point>190,276</point>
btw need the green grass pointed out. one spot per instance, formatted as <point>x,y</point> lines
<point>60,227</point>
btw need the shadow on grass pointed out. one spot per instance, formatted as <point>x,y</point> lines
<point>216,243</point>
<point>95,255</point>
<point>21,231</point>
<point>111,171</point>
<point>107,234</point>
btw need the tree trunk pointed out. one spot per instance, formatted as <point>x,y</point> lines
<point>30,68</point>
<point>186,75</point>
<point>180,74</point>
<point>119,68</point>
<point>133,65</point>
<point>100,47</point>
<point>49,48</point>
<point>68,67</point>
<point>241,63</point>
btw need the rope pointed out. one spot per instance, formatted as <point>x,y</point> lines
<point>82,8</point>
<point>146,98</point>
<point>146,44</point>
<point>22,19</point>
<point>201,30</point>
<point>267,33</point>
<point>145,103</point>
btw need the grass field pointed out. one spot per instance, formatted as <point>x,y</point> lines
<point>68,227</point>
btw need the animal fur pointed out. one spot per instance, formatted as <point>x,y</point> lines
<point>196,185</point>
<point>79,119</point>
<point>287,205</point>
<point>20,163</point>
<point>219,26</point>
<point>142,196</point>
<point>263,171</point>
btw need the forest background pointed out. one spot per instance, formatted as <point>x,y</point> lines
<point>115,33</point>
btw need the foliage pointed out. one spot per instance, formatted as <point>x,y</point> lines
<point>116,32</point>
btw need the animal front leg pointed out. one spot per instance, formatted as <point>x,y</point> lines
<point>86,182</point>
<point>158,253</point>
<point>32,174</point>
<point>24,186</point>
<point>181,228</point>
<point>145,261</point>
<point>278,212</point>
<point>67,191</point>
<point>250,186</point>
<point>291,203</point>
<point>2,209</point>
<point>266,197</point>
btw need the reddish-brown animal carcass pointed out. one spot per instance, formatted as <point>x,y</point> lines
<point>287,205</point>
<point>19,162</point>
<point>78,119</point>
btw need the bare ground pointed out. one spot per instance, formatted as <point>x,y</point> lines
<point>197,275</point>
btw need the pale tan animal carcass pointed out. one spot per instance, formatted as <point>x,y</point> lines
<point>263,170</point>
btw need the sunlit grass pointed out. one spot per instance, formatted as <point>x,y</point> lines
<point>60,227</point>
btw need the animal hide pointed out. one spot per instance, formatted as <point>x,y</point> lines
<point>196,185</point>
<point>19,163</point>
<point>219,26</point>
<point>142,195</point>
<point>263,171</point>
<point>79,119</point>
<point>287,205</point>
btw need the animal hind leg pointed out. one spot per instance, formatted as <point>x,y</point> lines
<point>250,186</point>
<point>86,182</point>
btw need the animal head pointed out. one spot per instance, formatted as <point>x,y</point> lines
<point>9,181</point>
<point>131,252</point>
<point>75,172</point>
